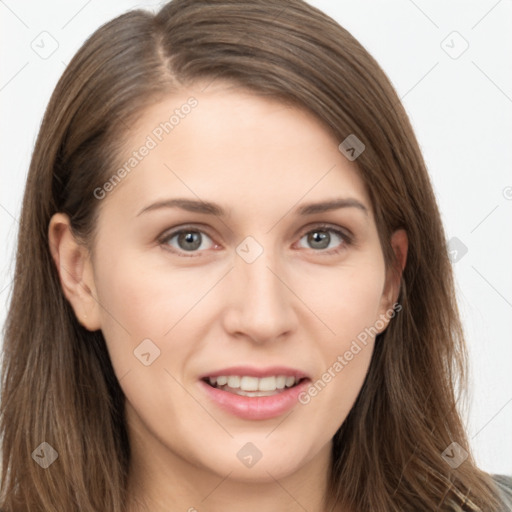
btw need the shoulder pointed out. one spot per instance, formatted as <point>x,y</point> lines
<point>504,484</point>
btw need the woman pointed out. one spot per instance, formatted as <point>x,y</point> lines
<point>236,281</point>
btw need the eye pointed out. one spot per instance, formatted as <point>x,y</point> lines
<point>326,239</point>
<point>191,240</point>
<point>187,240</point>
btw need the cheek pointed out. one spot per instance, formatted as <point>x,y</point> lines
<point>141,301</point>
<point>146,298</point>
<point>351,300</point>
<point>350,305</point>
<point>345,360</point>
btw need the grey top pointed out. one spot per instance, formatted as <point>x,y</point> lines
<point>504,484</point>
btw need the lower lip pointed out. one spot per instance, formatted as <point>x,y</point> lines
<point>257,407</point>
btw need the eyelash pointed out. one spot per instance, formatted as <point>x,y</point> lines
<point>347,239</point>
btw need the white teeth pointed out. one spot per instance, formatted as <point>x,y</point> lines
<point>267,384</point>
<point>247,383</point>
<point>233,381</point>
<point>222,380</point>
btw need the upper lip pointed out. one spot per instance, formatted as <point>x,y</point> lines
<point>252,371</point>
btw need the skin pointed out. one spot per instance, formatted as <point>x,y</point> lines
<point>295,305</point>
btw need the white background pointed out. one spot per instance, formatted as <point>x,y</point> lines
<point>460,108</point>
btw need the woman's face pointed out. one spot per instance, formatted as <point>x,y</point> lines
<point>270,282</point>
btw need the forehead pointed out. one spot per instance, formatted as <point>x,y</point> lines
<point>233,147</point>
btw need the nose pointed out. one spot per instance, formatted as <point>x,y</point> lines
<point>260,305</point>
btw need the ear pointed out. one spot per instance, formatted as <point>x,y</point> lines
<point>74,266</point>
<point>399,244</point>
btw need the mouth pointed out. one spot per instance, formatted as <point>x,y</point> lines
<point>254,394</point>
<point>246,385</point>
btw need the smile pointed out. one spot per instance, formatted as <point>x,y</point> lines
<point>254,394</point>
<point>253,386</point>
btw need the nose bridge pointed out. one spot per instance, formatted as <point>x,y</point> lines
<point>261,300</point>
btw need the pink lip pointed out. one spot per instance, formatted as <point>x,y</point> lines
<point>258,407</point>
<point>251,371</point>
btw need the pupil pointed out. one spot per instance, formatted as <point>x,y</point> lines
<point>190,237</point>
<point>321,238</point>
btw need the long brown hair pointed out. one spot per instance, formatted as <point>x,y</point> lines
<point>58,385</point>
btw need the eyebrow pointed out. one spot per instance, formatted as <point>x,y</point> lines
<point>211,208</point>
